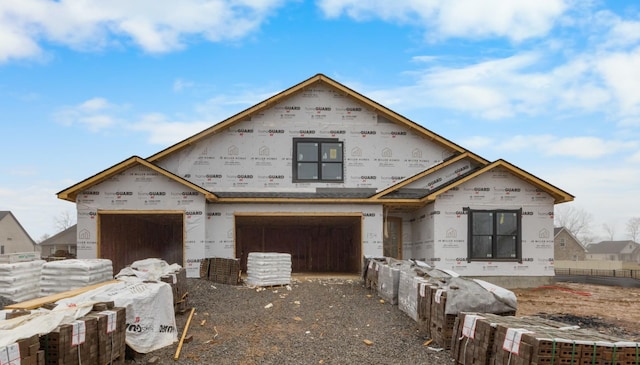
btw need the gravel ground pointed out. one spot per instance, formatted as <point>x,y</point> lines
<point>312,321</point>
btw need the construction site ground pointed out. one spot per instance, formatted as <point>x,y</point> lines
<point>339,321</point>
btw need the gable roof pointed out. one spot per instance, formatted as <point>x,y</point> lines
<point>7,213</point>
<point>318,78</point>
<point>559,195</point>
<point>71,192</point>
<point>558,230</point>
<point>64,237</point>
<point>395,192</point>
<point>391,195</point>
<point>613,247</point>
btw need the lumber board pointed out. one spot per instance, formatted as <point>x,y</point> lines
<point>39,302</point>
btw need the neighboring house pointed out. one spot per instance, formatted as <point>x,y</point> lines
<point>625,251</point>
<point>13,238</point>
<point>325,174</point>
<point>566,246</point>
<point>63,243</point>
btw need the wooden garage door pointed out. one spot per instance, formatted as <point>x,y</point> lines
<point>128,237</point>
<point>316,243</point>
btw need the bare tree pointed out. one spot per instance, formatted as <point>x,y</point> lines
<point>43,237</point>
<point>610,230</point>
<point>575,220</point>
<point>64,221</point>
<point>633,228</point>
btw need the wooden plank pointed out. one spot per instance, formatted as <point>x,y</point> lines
<point>39,302</point>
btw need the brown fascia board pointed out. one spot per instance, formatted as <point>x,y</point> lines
<point>71,192</point>
<point>391,115</point>
<point>420,175</point>
<point>559,195</point>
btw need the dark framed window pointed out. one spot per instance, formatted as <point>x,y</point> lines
<point>317,160</point>
<point>494,235</point>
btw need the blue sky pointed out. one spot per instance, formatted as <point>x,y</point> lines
<point>551,86</point>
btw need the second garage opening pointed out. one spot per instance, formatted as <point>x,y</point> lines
<point>316,243</point>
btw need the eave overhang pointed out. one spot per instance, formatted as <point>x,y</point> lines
<point>72,192</point>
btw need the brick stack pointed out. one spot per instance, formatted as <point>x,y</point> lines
<point>221,270</point>
<point>178,282</point>
<point>442,324</point>
<point>97,338</point>
<point>25,352</point>
<point>111,333</point>
<point>425,296</point>
<point>72,344</point>
<point>500,340</point>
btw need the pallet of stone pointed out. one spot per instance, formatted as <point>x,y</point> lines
<point>111,333</point>
<point>425,297</point>
<point>72,344</point>
<point>474,335</point>
<point>221,270</point>
<point>441,329</point>
<point>536,341</point>
<point>204,269</point>
<point>178,283</point>
<point>25,352</point>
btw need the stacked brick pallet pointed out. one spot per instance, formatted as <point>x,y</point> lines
<point>441,329</point>
<point>496,340</point>
<point>178,282</point>
<point>425,297</point>
<point>97,338</point>
<point>25,352</point>
<point>221,270</point>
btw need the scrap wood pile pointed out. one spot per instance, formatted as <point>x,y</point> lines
<point>482,338</point>
<point>477,320</point>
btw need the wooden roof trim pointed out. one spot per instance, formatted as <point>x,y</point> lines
<point>559,195</point>
<point>393,116</point>
<point>296,200</point>
<point>71,192</point>
<point>429,171</point>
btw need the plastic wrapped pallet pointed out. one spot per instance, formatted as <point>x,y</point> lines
<point>389,279</point>
<point>65,275</point>
<point>20,281</point>
<point>268,269</point>
<point>408,290</point>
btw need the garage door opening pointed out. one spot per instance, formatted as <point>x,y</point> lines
<point>128,237</point>
<point>318,244</point>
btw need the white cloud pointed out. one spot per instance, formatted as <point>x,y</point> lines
<point>621,72</point>
<point>476,142</point>
<point>179,85</point>
<point>635,157</point>
<point>153,25</point>
<point>95,114</point>
<point>162,131</point>
<point>515,20</point>
<point>582,147</point>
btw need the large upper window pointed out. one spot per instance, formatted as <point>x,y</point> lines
<point>495,235</point>
<point>317,159</point>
